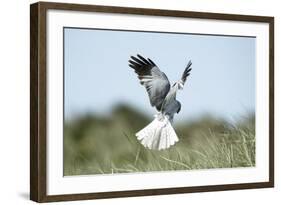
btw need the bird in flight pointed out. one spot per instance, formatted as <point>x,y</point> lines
<point>159,134</point>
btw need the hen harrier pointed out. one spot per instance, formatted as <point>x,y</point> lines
<point>159,134</point>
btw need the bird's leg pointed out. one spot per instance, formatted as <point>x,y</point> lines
<point>166,120</point>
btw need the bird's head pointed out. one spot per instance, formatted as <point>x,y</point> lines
<point>178,85</point>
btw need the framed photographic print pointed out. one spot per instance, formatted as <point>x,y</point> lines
<point>134,102</point>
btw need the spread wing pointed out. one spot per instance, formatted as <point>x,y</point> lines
<point>170,104</point>
<point>186,72</point>
<point>152,78</point>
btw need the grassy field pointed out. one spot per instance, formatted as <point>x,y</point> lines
<point>105,145</point>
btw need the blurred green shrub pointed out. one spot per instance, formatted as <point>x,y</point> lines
<point>102,145</point>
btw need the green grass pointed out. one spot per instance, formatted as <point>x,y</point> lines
<point>105,145</point>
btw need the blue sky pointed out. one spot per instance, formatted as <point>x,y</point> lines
<point>97,75</point>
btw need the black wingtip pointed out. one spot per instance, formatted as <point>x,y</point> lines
<point>189,64</point>
<point>152,63</point>
<point>143,59</point>
<point>139,61</point>
<point>132,66</point>
<point>134,63</point>
<point>188,70</point>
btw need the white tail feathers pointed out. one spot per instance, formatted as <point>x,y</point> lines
<point>159,134</point>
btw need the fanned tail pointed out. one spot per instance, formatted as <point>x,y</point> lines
<point>159,134</point>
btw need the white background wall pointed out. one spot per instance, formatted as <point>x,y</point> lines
<point>14,101</point>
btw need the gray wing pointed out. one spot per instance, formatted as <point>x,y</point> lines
<point>170,104</point>
<point>152,78</point>
<point>186,72</point>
